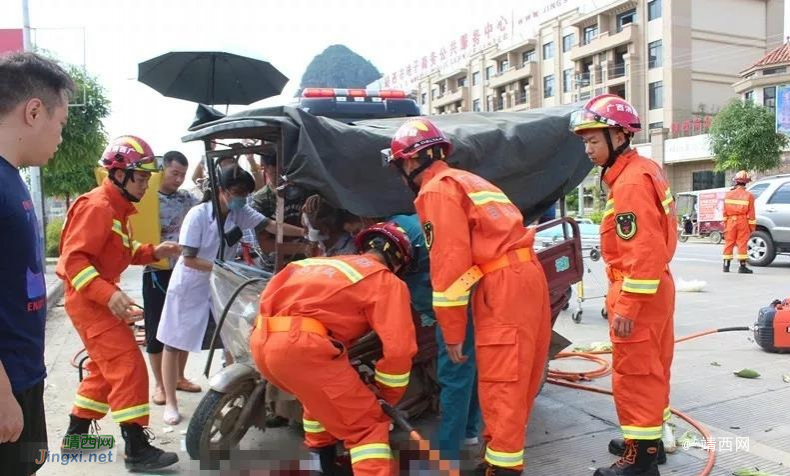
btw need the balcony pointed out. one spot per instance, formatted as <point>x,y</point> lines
<point>616,73</point>
<point>510,75</point>
<point>460,94</point>
<point>605,41</point>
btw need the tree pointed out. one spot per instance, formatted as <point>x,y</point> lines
<point>743,137</point>
<point>339,67</point>
<point>70,172</point>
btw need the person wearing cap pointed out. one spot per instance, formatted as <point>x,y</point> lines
<point>96,246</point>
<point>739,221</point>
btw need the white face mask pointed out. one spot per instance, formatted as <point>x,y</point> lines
<point>313,234</point>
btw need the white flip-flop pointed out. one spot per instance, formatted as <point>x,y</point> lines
<point>171,416</point>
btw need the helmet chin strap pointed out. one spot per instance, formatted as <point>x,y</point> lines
<point>426,162</point>
<point>128,175</point>
<point>613,153</point>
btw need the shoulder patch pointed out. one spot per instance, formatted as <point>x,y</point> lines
<point>625,225</point>
<point>427,230</point>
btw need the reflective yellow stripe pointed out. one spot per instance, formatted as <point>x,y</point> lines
<point>440,300</point>
<point>743,257</point>
<point>117,228</point>
<point>393,380</point>
<point>505,460</point>
<point>667,414</point>
<point>732,201</point>
<point>609,209</point>
<point>667,200</point>
<point>641,286</point>
<point>370,451</point>
<point>481,198</point>
<point>726,256</point>
<point>137,147</point>
<point>88,404</point>
<point>641,432</point>
<point>81,279</point>
<point>752,222</point>
<point>136,246</point>
<point>130,413</point>
<point>312,426</point>
<point>352,274</point>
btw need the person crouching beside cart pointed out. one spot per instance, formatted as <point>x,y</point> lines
<point>96,247</point>
<point>187,305</point>
<point>310,314</point>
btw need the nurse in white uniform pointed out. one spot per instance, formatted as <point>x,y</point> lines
<point>187,304</point>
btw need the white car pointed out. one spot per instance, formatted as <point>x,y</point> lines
<point>772,207</point>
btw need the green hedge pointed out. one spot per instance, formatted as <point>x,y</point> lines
<point>52,239</point>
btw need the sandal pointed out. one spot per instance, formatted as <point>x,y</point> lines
<point>158,398</point>
<point>171,416</point>
<point>185,385</point>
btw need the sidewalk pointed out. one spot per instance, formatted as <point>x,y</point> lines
<point>54,284</point>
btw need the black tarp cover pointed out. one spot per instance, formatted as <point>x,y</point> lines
<point>531,155</point>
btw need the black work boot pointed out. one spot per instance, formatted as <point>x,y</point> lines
<point>485,469</point>
<point>743,269</point>
<point>726,266</point>
<point>639,459</point>
<point>331,465</point>
<point>139,454</point>
<point>617,448</point>
<point>77,427</point>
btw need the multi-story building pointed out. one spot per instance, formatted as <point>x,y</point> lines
<point>674,60</point>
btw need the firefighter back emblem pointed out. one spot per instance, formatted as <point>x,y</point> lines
<point>625,225</point>
<point>427,229</point>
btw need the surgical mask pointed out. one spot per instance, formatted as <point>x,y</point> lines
<point>314,234</point>
<point>237,203</point>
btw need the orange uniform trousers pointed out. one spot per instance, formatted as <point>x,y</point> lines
<point>337,404</point>
<point>736,234</point>
<point>641,362</point>
<point>512,321</point>
<point>117,376</point>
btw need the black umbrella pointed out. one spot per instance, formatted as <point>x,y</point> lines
<point>211,77</point>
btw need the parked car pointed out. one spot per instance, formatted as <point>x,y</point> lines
<point>772,207</point>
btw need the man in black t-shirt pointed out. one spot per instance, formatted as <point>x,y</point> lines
<point>33,111</point>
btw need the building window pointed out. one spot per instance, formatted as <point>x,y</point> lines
<point>625,18</point>
<point>462,81</point>
<point>424,98</point>
<point>567,78</point>
<point>504,66</point>
<point>476,105</point>
<point>706,179</point>
<point>590,32</point>
<point>489,72</point>
<point>655,54</point>
<point>528,56</point>
<point>475,78</point>
<point>434,93</point>
<point>656,95</point>
<point>548,50</point>
<point>567,42</point>
<point>653,10</point>
<point>770,71</point>
<point>769,98</point>
<point>490,102</point>
<point>548,86</point>
<point>655,125</point>
<point>749,96</point>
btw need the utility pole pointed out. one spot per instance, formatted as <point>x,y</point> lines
<point>36,192</point>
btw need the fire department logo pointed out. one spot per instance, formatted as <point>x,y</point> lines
<point>428,232</point>
<point>625,224</point>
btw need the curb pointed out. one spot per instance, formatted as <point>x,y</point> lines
<point>54,294</point>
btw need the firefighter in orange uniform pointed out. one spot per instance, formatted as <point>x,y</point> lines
<point>638,241</point>
<point>96,247</point>
<point>311,312</point>
<point>739,221</point>
<point>476,237</point>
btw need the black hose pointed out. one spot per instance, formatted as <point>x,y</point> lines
<point>731,329</point>
<point>224,314</point>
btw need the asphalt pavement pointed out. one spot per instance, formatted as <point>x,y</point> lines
<point>570,428</point>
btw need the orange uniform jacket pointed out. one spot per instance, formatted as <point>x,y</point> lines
<point>350,295</point>
<point>96,245</point>
<point>739,202</point>
<point>460,206</point>
<point>638,231</point>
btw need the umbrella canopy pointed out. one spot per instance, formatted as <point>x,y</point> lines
<point>211,77</point>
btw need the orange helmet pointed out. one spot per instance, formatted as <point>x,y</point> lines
<point>604,111</point>
<point>130,153</point>
<point>414,136</point>
<point>390,240</point>
<point>741,178</point>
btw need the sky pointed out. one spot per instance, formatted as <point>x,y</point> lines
<point>110,37</point>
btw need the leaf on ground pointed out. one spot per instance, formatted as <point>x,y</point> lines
<point>747,373</point>
<point>750,472</point>
<point>715,364</point>
<point>786,378</point>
